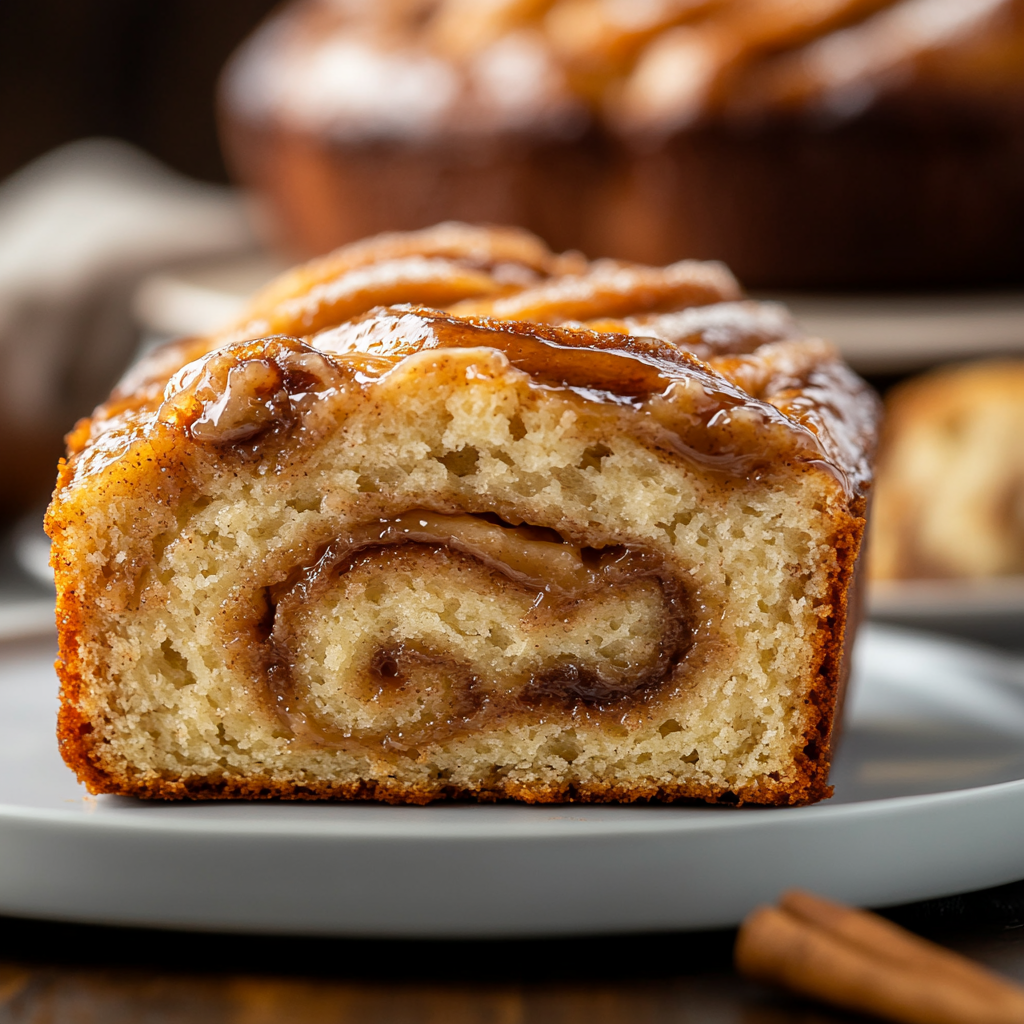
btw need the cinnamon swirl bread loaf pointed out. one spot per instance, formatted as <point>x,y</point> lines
<point>448,515</point>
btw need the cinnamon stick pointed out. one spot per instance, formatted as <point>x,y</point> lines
<point>860,961</point>
<point>888,941</point>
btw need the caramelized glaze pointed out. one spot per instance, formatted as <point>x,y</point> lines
<point>733,414</point>
<point>698,412</point>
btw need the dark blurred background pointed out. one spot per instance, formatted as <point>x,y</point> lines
<point>141,71</point>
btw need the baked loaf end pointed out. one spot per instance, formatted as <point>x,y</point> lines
<point>449,515</point>
<point>950,496</point>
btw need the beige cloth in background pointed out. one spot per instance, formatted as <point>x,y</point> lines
<point>79,228</point>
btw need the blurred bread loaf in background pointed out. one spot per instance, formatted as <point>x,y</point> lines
<point>949,498</point>
<point>819,143</point>
<point>79,229</point>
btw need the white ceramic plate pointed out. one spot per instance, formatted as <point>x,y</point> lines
<point>929,801</point>
<point>986,610</point>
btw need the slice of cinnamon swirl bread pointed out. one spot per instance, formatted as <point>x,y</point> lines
<point>448,515</point>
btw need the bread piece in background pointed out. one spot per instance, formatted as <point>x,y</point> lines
<point>949,498</point>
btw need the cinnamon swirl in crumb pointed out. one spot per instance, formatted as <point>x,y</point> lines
<point>447,515</point>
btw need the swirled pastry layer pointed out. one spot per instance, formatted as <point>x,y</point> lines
<point>544,529</point>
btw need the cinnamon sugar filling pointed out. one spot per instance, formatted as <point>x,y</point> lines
<point>436,624</point>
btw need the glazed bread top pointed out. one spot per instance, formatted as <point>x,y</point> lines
<point>675,354</point>
<point>363,69</point>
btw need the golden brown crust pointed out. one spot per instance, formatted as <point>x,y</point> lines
<point>470,245</point>
<point>769,403</point>
<point>766,792</point>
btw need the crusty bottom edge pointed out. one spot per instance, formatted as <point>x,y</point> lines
<point>807,791</point>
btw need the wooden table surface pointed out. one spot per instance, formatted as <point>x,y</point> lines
<point>56,973</point>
